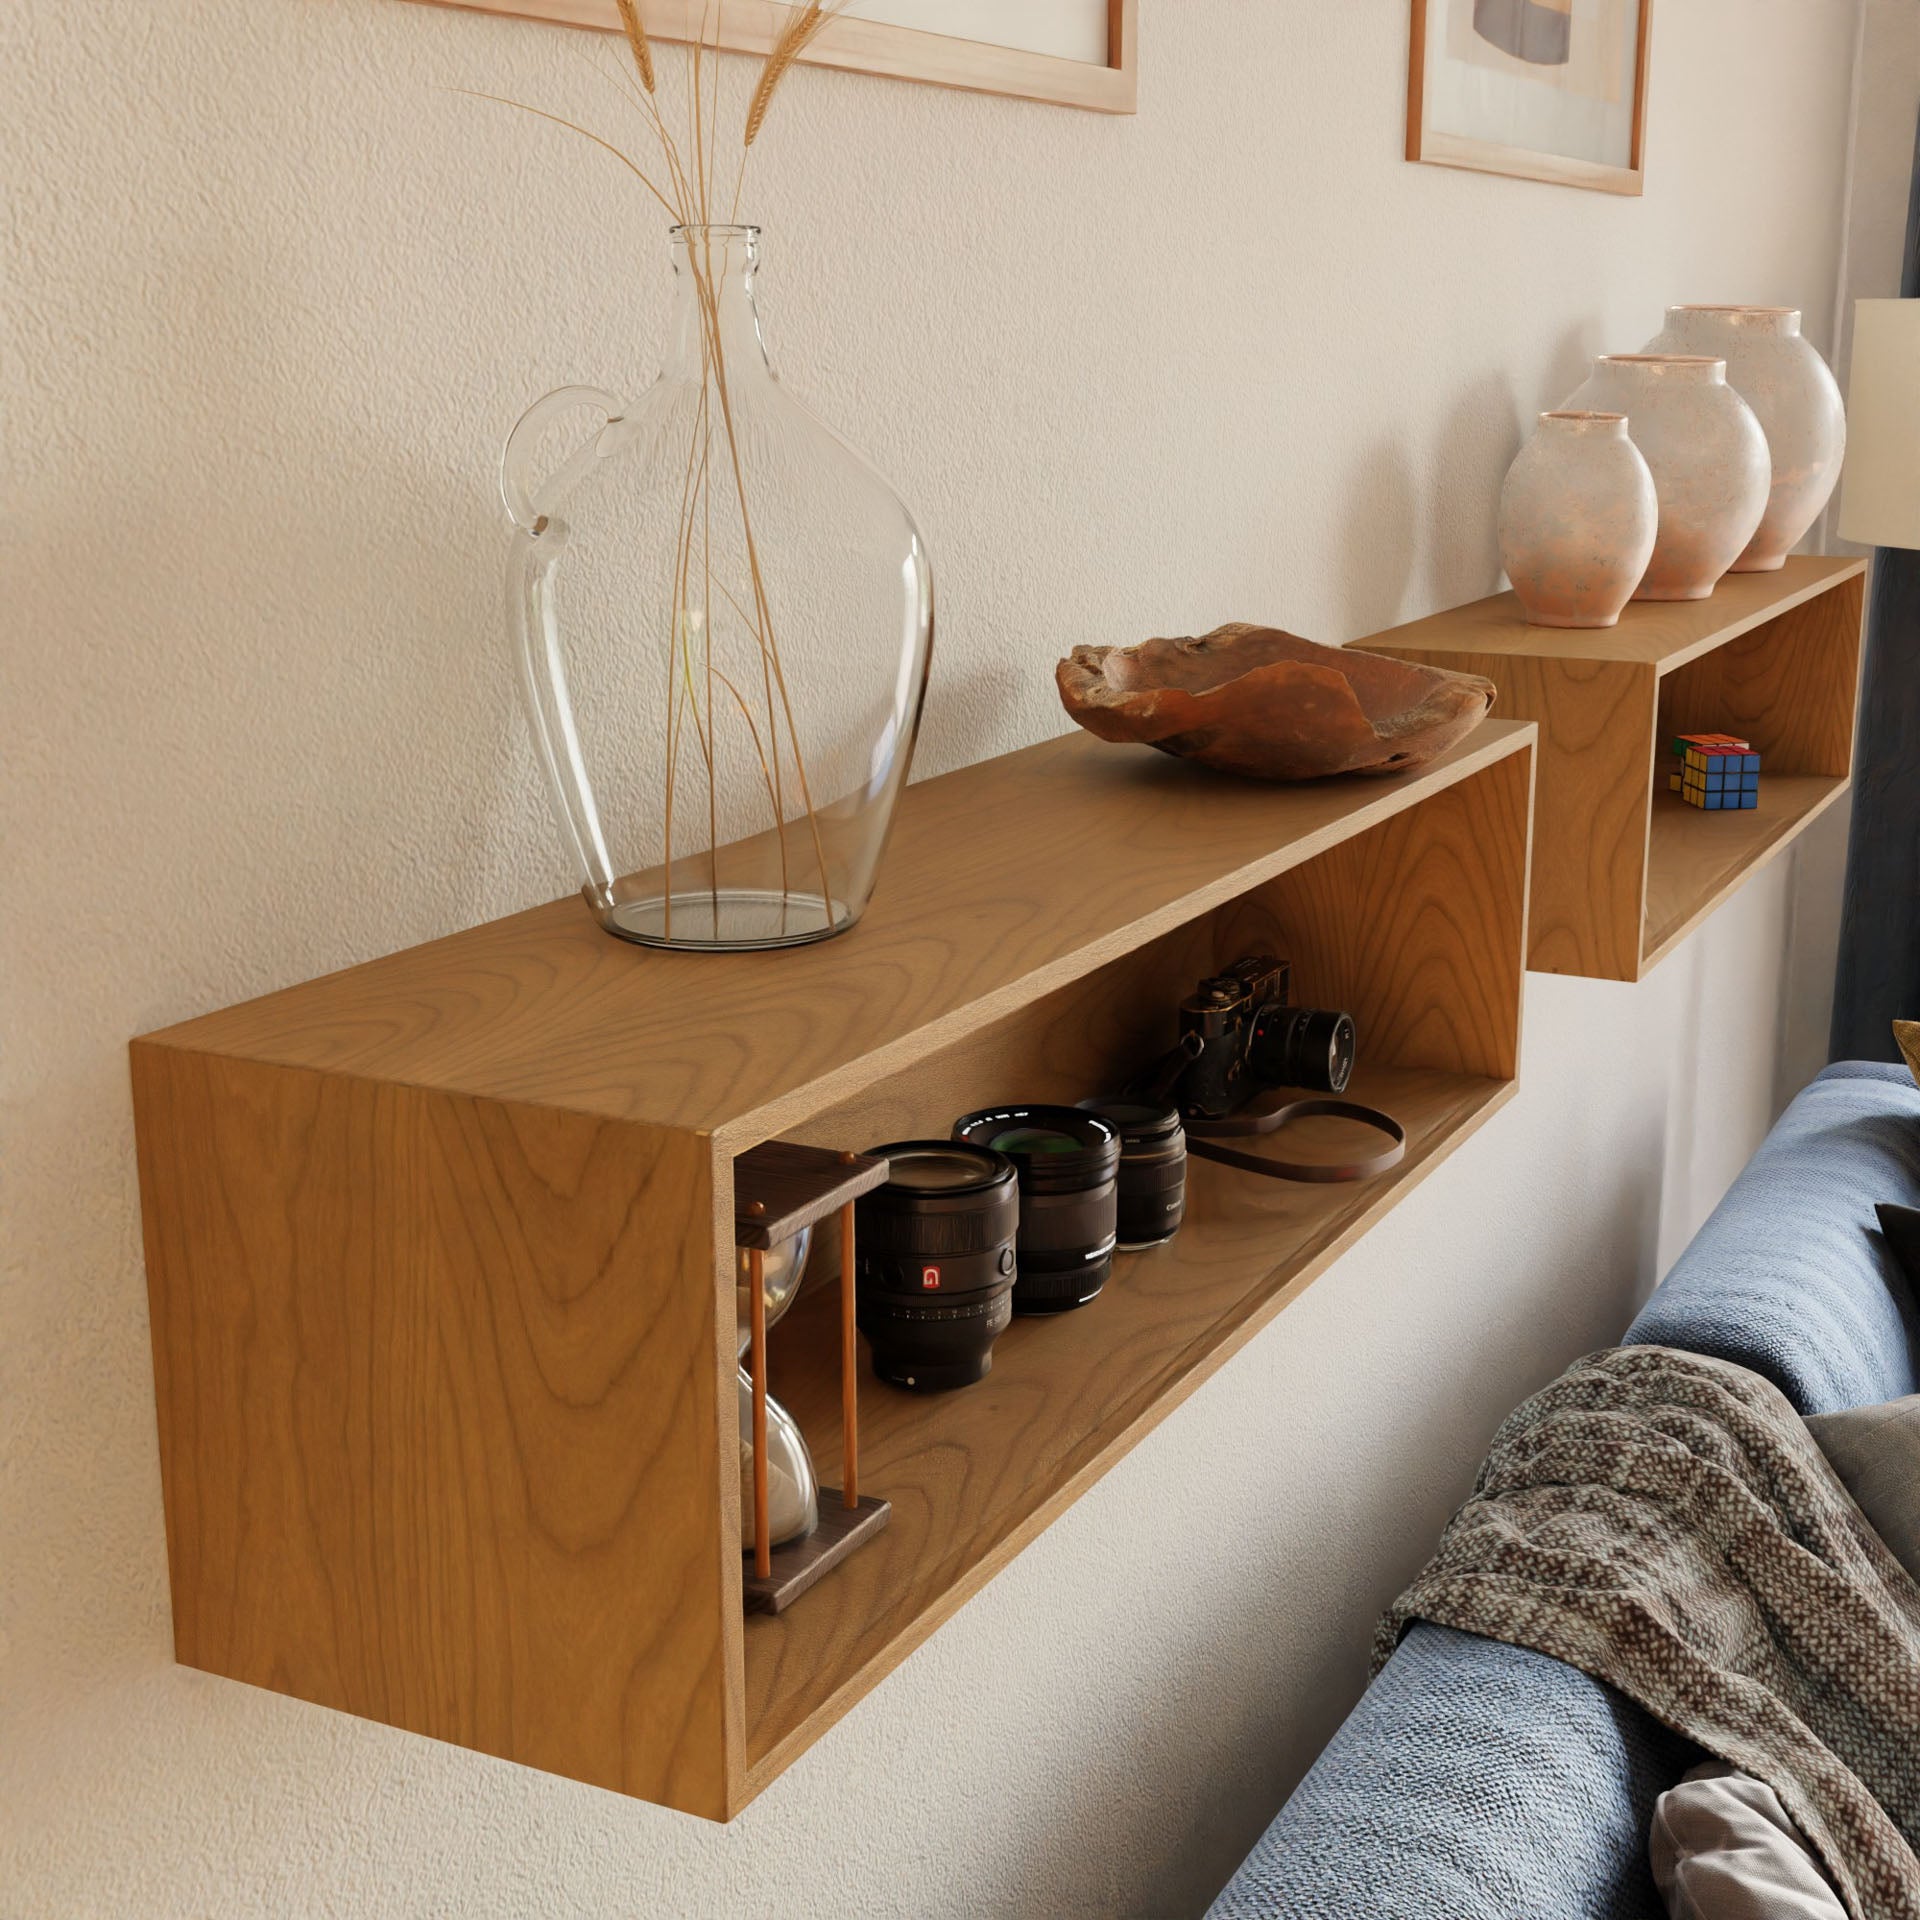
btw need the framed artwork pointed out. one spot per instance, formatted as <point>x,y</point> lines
<point>1074,53</point>
<point>1542,89</point>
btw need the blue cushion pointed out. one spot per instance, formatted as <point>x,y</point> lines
<point>1474,1781</point>
<point>1790,1276</point>
<point>1477,1781</point>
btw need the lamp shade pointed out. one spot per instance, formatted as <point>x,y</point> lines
<point>1881,504</point>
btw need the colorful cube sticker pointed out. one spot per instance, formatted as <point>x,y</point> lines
<point>1718,772</point>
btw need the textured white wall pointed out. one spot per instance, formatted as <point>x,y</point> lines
<point>272,298</point>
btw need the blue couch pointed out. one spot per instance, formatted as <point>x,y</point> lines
<point>1475,1781</point>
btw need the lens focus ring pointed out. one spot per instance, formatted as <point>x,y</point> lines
<point>949,1236</point>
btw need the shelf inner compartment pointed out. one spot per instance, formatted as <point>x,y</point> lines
<point>1695,859</point>
<point>973,1475</point>
<point>1416,926</point>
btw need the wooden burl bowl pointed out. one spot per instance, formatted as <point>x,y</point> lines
<point>1270,705</point>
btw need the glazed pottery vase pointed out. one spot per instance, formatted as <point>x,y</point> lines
<point>1777,372</point>
<point>722,617</point>
<point>1707,455</point>
<point>1578,515</point>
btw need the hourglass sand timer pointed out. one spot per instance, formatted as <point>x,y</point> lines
<point>767,1432</point>
<point>794,1530</point>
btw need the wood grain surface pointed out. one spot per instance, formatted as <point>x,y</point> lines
<point>1002,882</point>
<point>1788,685</point>
<point>440,1249</point>
<point>1590,808</point>
<point>780,1187</point>
<point>438,1428</point>
<point>1654,633</point>
<point>1418,928</point>
<point>1695,858</point>
<point>1773,656</point>
<point>974,1475</point>
<point>802,1564</point>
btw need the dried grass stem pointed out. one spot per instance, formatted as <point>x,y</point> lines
<point>690,175</point>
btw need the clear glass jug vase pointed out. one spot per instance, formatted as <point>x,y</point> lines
<point>723,617</point>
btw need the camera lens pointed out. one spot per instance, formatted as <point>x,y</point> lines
<point>1153,1170</point>
<point>934,1262</point>
<point>1068,1163</point>
<point>1303,1047</point>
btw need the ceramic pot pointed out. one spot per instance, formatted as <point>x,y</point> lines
<point>1707,454</point>
<point>1782,378</point>
<point>1578,515</point>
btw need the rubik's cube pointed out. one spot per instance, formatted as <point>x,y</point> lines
<point>1716,772</point>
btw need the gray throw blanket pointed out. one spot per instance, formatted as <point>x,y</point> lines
<point>1665,1523</point>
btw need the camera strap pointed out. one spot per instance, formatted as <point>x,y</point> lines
<point>1203,1135</point>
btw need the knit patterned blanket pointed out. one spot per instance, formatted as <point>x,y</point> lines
<point>1665,1523</point>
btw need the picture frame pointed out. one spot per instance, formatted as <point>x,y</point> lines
<point>1550,90</point>
<point>974,61</point>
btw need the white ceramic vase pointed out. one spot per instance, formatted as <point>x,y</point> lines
<point>1708,456</point>
<point>1777,372</point>
<point>1578,516</point>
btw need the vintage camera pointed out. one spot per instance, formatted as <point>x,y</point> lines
<point>1240,1037</point>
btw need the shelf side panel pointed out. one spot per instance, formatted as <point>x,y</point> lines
<point>1418,927</point>
<point>1590,815</point>
<point>435,1382</point>
<point>1790,686</point>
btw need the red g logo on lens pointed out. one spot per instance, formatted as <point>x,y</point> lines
<point>929,1278</point>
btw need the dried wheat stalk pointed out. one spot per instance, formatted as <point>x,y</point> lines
<point>638,41</point>
<point>687,194</point>
<point>794,40</point>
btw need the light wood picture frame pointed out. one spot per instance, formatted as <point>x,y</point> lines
<point>870,46</point>
<point>1519,87</point>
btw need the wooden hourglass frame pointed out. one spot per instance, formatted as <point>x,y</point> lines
<point>779,1190</point>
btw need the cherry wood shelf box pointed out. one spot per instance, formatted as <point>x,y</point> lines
<point>440,1248</point>
<point>1623,868</point>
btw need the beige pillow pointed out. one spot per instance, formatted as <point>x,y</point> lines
<point>1906,1035</point>
<point>1722,1848</point>
<point>1876,1453</point>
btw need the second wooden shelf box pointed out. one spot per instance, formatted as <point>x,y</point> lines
<point>1623,869</point>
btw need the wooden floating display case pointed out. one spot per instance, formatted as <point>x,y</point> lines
<point>1624,869</point>
<point>440,1249</point>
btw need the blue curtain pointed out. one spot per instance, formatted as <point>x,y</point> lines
<point>1878,980</point>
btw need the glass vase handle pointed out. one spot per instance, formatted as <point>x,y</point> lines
<point>520,492</point>
<point>538,542</point>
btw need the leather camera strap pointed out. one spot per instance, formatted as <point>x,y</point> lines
<point>1202,1136</point>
